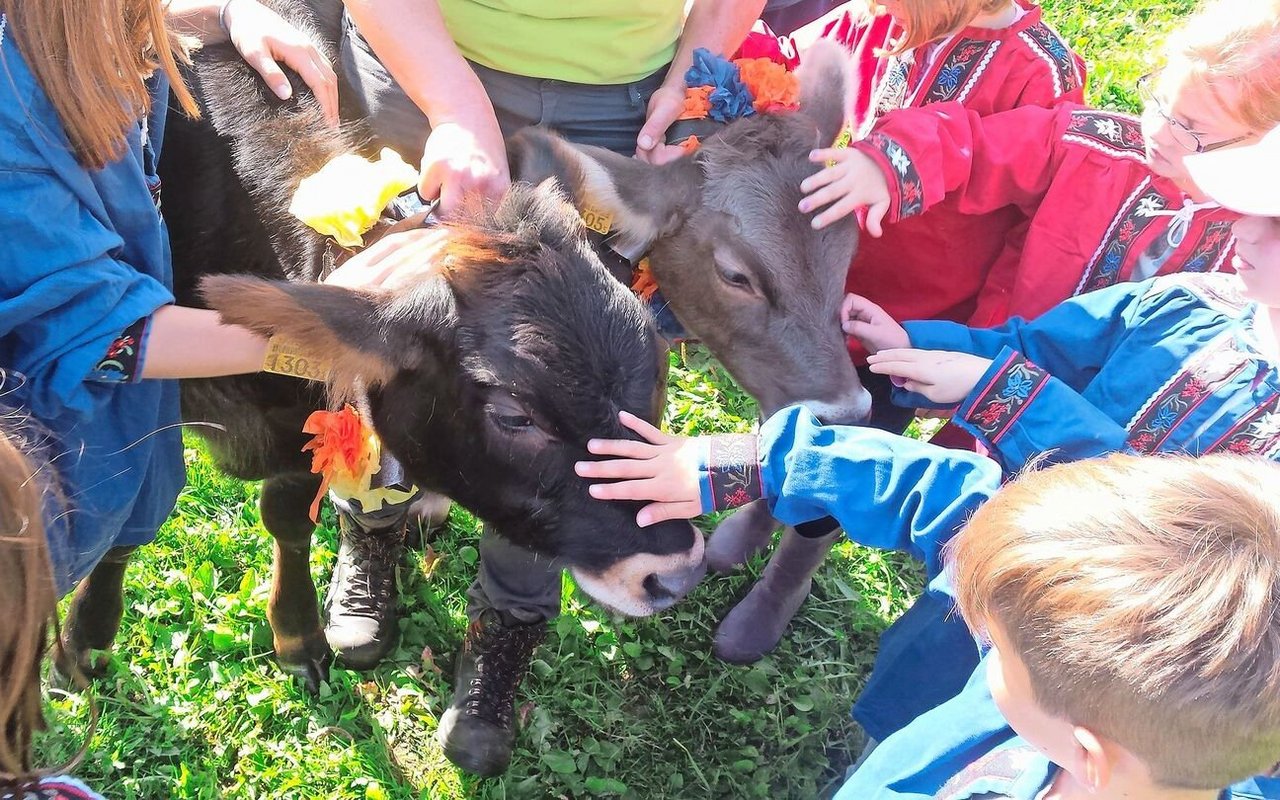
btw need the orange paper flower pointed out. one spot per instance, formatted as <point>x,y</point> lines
<point>690,145</point>
<point>772,87</point>
<point>342,451</point>
<point>642,282</point>
<point>697,102</point>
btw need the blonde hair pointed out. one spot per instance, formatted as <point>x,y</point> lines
<point>91,58</point>
<point>1143,595</point>
<point>29,599</point>
<point>1233,45</point>
<point>926,20</point>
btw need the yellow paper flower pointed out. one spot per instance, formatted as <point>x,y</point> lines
<point>345,197</point>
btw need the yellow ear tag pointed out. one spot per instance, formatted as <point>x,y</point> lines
<point>597,220</point>
<point>284,359</point>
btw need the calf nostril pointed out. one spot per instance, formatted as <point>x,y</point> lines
<point>653,585</point>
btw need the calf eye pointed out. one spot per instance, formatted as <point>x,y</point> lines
<point>735,278</point>
<point>513,421</point>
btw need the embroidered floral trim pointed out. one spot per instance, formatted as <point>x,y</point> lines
<point>121,362</point>
<point>1005,397</point>
<point>960,69</point>
<point>1116,135</point>
<point>1046,42</point>
<point>1211,251</point>
<point>1258,434</point>
<point>1134,218</point>
<point>910,186</point>
<point>734,471</point>
<point>1156,421</point>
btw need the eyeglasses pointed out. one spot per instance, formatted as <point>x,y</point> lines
<point>1184,136</point>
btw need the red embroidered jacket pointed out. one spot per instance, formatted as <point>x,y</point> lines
<point>935,266</point>
<point>1095,210</point>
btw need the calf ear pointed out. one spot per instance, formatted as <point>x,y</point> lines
<point>640,201</point>
<point>823,88</point>
<point>360,336</point>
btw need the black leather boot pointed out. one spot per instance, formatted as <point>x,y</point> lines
<point>477,732</point>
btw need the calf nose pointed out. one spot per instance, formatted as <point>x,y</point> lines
<point>851,408</point>
<point>665,588</point>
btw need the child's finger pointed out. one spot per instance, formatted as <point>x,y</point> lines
<point>875,214</point>
<point>625,448</point>
<point>649,432</point>
<point>908,370</point>
<point>654,513</point>
<point>858,308</point>
<point>819,179</point>
<point>842,208</point>
<point>825,154</point>
<point>616,468</point>
<point>822,197</point>
<point>640,489</point>
<point>903,354</point>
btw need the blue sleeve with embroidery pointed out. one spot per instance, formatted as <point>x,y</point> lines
<point>1019,411</point>
<point>69,292</point>
<point>1071,340</point>
<point>885,490</point>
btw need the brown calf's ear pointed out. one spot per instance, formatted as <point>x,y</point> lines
<point>353,332</point>
<point>823,86</point>
<point>638,201</point>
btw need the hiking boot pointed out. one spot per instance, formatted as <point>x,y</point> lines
<point>477,732</point>
<point>360,608</point>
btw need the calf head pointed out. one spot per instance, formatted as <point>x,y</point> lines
<point>487,379</point>
<point>741,267</point>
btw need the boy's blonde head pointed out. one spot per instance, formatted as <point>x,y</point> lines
<point>923,21</point>
<point>1232,47</point>
<point>1143,596</point>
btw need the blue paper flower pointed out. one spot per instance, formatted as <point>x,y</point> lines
<point>730,98</point>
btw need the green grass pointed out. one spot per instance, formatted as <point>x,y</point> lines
<point>195,707</point>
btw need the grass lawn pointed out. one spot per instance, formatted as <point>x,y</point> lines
<point>195,707</point>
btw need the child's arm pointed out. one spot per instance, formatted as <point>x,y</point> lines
<point>1026,401</point>
<point>1020,412</point>
<point>886,491</point>
<point>1072,340</point>
<point>925,154</point>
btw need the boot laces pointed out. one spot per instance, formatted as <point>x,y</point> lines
<point>502,656</point>
<point>368,579</point>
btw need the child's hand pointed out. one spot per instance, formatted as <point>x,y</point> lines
<point>871,325</point>
<point>943,376</point>
<point>663,468</point>
<point>396,260</point>
<point>854,181</point>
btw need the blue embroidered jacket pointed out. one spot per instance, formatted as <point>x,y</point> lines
<point>85,258</point>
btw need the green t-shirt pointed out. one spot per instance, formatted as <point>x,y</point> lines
<point>583,41</point>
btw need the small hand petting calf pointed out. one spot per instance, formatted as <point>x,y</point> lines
<point>687,476</point>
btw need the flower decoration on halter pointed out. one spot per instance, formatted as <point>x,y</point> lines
<point>346,454</point>
<point>345,198</point>
<point>718,90</point>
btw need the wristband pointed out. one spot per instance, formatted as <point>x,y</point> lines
<point>282,358</point>
<point>733,471</point>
